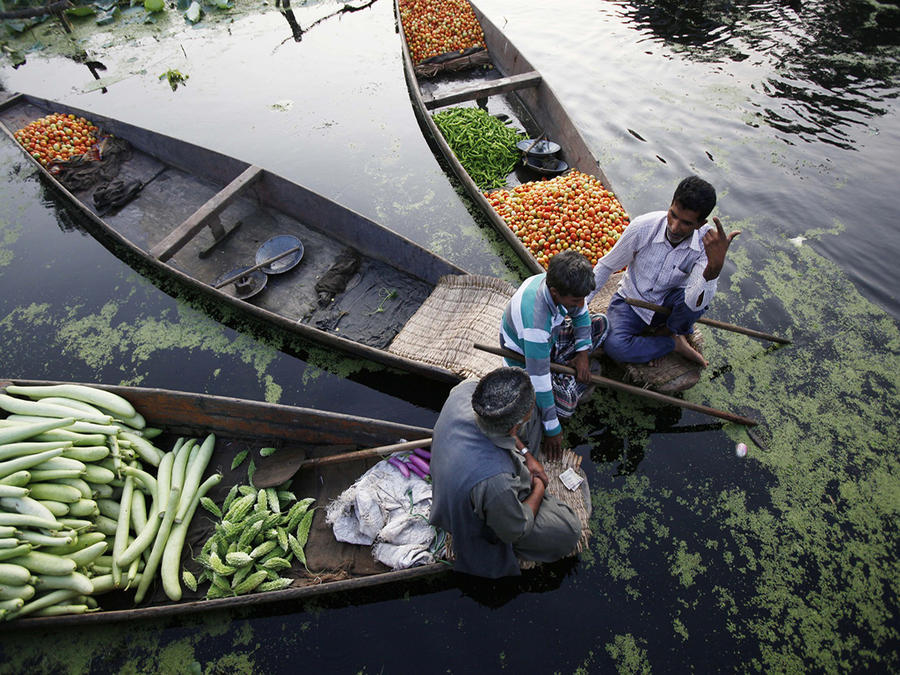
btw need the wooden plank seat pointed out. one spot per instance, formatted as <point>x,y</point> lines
<point>501,86</point>
<point>206,215</point>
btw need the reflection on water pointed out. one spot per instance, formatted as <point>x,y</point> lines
<point>829,59</point>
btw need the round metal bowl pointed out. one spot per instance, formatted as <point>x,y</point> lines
<point>246,286</point>
<point>546,167</point>
<point>276,245</point>
<point>542,148</point>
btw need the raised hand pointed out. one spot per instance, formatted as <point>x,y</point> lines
<point>716,243</point>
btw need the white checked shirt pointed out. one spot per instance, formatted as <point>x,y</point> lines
<point>654,266</point>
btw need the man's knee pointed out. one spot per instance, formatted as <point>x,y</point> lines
<point>617,345</point>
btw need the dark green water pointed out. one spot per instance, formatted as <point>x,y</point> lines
<point>783,561</point>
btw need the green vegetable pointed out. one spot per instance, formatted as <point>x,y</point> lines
<point>20,406</point>
<point>45,563</point>
<point>194,473</point>
<point>12,450</point>
<point>27,462</point>
<point>485,146</point>
<point>189,580</point>
<point>159,543</point>
<point>105,399</point>
<point>74,581</point>
<point>210,506</point>
<point>19,432</point>
<point>172,554</point>
<point>14,574</point>
<point>251,582</point>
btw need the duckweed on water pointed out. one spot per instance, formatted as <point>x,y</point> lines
<point>810,532</point>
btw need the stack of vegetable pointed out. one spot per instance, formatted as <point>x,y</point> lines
<point>57,137</point>
<point>434,27</point>
<point>416,463</point>
<point>259,533</point>
<point>77,467</point>
<point>572,211</point>
<point>485,146</point>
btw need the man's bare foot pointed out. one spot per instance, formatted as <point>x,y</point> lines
<point>683,347</point>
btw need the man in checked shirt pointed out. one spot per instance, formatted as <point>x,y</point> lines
<point>673,259</point>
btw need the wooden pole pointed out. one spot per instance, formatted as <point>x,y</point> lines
<point>629,388</point>
<point>712,322</point>
<point>362,454</point>
<point>237,276</point>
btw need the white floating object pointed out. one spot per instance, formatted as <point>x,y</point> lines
<point>741,450</point>
<point>798,240</point>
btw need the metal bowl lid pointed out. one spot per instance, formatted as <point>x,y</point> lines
<point>546,167</point>
<point>244,287</point>
<point>540,148</point>
<point>279,244</point>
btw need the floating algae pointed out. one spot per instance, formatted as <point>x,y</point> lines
<point>794,554</point>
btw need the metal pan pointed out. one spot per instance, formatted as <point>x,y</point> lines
<point>274,246</point>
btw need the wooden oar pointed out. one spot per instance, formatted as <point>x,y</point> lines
<point>235,277</point>
<point>283,465</point>
<point>711,322</point>
<point>629,388</point>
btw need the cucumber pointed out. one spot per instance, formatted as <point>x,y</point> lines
<point>117,405</point>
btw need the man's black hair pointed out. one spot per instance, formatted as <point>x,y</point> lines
<point>570,273</point>
<point>502,399</point>
<point>695,194</point>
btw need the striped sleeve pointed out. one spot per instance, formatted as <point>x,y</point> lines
<point>527,325</point>
<point>537,323</point>
<point>581,323</point>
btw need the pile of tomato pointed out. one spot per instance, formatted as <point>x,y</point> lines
<point>435,27</point>
<point>57,137</point>
<point>572,211</point>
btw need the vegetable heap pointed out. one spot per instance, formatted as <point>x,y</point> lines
<point>259,533</point>
<point>485,146</point>
<point>434,27</point>
<point>74,520</point>
<point>57,137</point>
<point>572,211</point>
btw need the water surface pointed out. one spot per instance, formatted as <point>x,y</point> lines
<point>785,560</point>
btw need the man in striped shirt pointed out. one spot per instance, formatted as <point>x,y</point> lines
<point>673,259</point>
<point>547,320</point>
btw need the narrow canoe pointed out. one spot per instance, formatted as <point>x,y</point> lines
<point>206,216</point>
<point>249,425</point>
<point>511,87</point>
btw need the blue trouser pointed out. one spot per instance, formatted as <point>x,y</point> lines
<point>625,342</point>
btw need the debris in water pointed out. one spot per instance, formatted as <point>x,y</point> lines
<point>283,105</point>
<point>174,77</point>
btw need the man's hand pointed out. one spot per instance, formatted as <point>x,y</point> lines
<point>536,469</point>
<point>716,243</point>
<point>582,365</point>
<point>551,446</point>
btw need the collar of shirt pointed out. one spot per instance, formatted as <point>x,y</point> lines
<point>544,290</point>
<point>504,441</point>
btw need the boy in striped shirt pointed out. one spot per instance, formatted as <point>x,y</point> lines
<point>547,320</point>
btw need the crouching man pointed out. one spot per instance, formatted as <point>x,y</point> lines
<point>488,485</point>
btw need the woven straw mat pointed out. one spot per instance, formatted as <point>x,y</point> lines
<point>462,310</point>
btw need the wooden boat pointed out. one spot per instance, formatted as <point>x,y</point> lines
<point>510,87</point>
<point>207,216</point>
<point>249,425</point>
